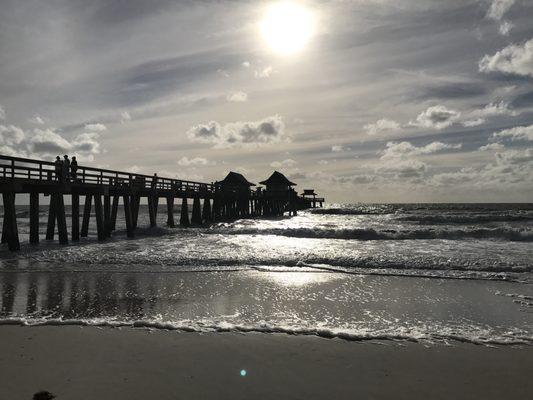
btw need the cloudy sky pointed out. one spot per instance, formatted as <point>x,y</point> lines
<point>384,100</point>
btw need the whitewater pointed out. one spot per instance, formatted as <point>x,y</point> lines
<point>424,272</point>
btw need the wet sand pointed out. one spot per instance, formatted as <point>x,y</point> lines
<point>105,363</point>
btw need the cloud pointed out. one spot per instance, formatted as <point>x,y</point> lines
<point>516,133</point>
<point>436,117</point>
<point>246,64</point>
<point>381,126</point>
<point>505,28</point>
<point>237,97</point>
<point>264,73</point>
<point>36,119</point>
<point>95,127</point>
<point>397,150</point>
<point>223,73</point>
<point>288,163</point>
<point>474,122</point>
<point>46,141</point>
<point>513,59</point>
<point>498,8</point>
<point>404,169</point>
<point>86,143</point>
<point>2,113</point>
<point>205,133</point>
<point>339,148</point>
<point>492,147</point>
<point>268,130</point>
<point>124,117</point>
<point>11,135</point>
<point>187,162</point>
<point>492,109</point>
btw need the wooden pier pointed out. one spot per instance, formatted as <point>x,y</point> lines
<point>103,190</point>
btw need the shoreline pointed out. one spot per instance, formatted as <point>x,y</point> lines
<point>129,363</point>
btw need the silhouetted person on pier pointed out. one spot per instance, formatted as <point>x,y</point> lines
<point>73,169</point>
<point>58,166</point>
<point>154,181</point>
<point>66,168</point>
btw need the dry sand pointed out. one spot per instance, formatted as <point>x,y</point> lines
<point>105,363</point>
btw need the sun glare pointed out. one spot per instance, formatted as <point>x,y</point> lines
<point>287,27</point>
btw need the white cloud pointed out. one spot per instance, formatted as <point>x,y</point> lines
<point>492,109</point>
<point>36,119</point>
<point>288,163</point>
<point>95,127</point>
<point>397,150</point>
<point>513,59</point>
<point>474,122</point>
<point>237,97</point>
<point>492,147</point>
<point>498,8</point>
<point>267,130</point>
<point>186,162</point>
<point>246,64</point>
<point>505,28</point>
<point>11,135</point>
<point>264,73</point>
<point>381,126</point>
<point>2,113</point>
<point>339,148</point>
<point>516,133</point>
<point>223,73</point>
<point>436,117</point>
<point>86,143</point>
<point>404,169</point>
<point>124,117</point>
<point>45,142</point>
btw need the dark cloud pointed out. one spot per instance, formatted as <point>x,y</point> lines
<point>523,100</point>
<point>268,130</point>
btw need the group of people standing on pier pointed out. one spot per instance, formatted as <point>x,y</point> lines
<point>66,170</point>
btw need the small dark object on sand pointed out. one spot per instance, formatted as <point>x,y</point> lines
<point>43,395</point>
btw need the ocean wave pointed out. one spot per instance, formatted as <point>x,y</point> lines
<point>414,334</point>
<point>465,219</point>
<point>509,234</point>
<point>353,211</point>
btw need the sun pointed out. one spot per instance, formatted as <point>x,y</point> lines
<point>287,27</point>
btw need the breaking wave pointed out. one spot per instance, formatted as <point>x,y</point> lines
<point>415,334</point>
<point>502,233</point>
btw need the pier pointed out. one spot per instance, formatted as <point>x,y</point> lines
<point>105,191</point>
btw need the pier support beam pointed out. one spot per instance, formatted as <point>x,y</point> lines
<point>10,232</point>
<point>99,217</point>
<point>206,211</point>
<point>130,228</point>
<point>135,202</point>
<point>51,226</point>
<point>107,215</point>
<point>170,212</point>
<point>196,212</point>
<point>153,203</point>
<point>61,218</point>
<point>75,217</point>
<point>86,215</point>
<point>34,218</point>
<point>57,212</point>
<point>114,210</point>
<point>184,217</point>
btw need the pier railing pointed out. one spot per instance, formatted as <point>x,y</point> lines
<point>45,172</point>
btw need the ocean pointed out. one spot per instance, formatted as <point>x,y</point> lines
<point>436,273</point>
